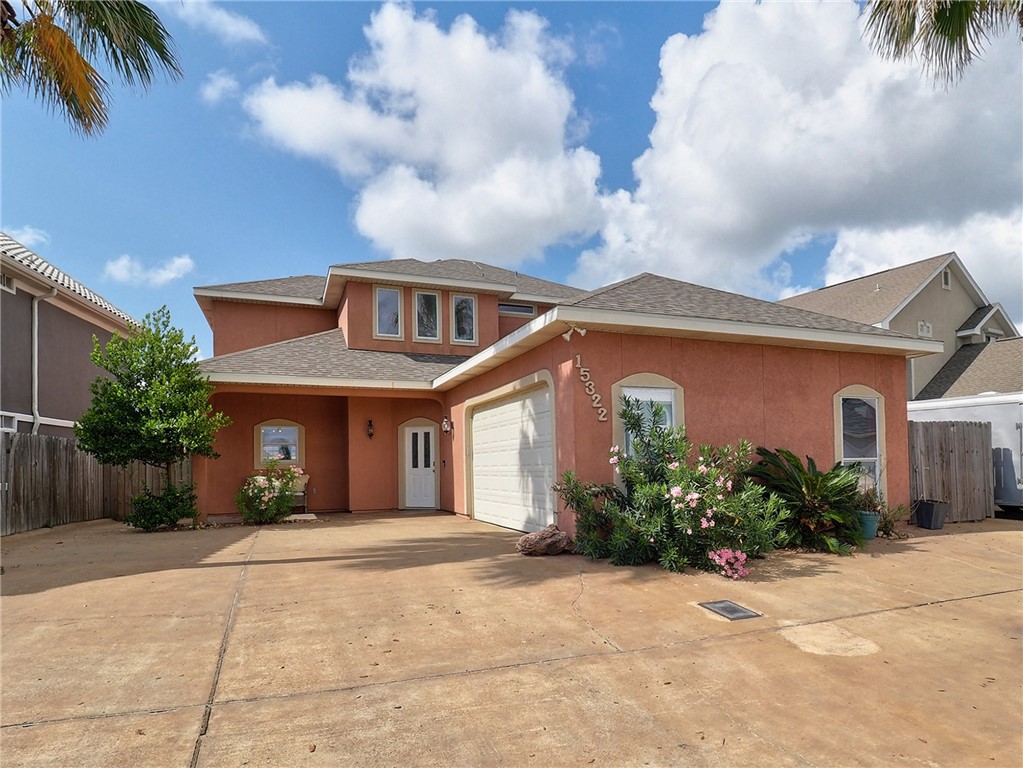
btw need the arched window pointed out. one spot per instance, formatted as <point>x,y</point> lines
<point>860,433</point>
<point>649,389</point>
<point>279,439</point>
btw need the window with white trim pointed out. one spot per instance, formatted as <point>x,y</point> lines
<point>649,398</point>
<point>861,438</point>
<point>427,316</point>
<point>7,283</point>
<point>463,319</point>
<point>946,279</point>
<point>387,310</point>
<point>281,440</point>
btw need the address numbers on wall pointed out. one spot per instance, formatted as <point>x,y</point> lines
<point>590,387</point>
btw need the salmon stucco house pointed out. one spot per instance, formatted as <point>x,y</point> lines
<point>464,387</point>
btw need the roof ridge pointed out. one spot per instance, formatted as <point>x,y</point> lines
<point>889,270</point>
<point>604,289</point>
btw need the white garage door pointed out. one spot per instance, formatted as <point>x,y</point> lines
<point>513,462</point>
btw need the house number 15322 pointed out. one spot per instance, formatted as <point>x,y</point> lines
<point>590,387</point>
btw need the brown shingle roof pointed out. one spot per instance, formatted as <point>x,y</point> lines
<point>461,269</point>
<point>18,253</point>
<point>976,368</point>
<point>298,287</point>
<point>657,295</point>
<point>975,319</point>
<point>869,299</point>
<point>326,355</point>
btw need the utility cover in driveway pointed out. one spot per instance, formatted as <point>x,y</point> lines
<point>728,609</point>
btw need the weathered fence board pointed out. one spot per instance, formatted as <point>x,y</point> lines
<point>46,481</point>
<point>952,461</point>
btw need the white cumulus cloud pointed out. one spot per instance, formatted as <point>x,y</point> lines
<point>230,27</point>
<point>218,86</point>
<point>456,139</point>
<point>29,236</point>
<point>777,124</point>
<point>127,269</point>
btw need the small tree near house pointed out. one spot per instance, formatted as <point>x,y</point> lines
<point>154,408</point>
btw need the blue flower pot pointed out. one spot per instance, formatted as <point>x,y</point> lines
<point>868,523</point>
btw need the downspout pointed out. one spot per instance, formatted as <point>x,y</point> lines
<point>36,301</point>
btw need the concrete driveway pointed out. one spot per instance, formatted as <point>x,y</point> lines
<point>405,639</point>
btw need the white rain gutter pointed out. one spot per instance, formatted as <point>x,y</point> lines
<point>36,301</point>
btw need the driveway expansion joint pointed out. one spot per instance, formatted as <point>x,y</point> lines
<point>229,625</point>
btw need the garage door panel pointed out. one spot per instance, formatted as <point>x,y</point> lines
<point>513,462</point>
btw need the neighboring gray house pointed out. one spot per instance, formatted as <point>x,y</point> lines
<point>47,321</point>
<point>936,298</point>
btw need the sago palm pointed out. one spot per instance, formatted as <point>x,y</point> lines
<point>52,51</point>
<point>946,34</point>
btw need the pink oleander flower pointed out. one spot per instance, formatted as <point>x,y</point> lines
<point>728,485</point>
<point>673,465</point>
<point>703,469</point>
<point>719,482</point>
<point>675,492</point>
<point>689,531</point>
<point>612,461</point>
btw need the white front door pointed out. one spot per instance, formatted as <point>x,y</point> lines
<point>420,467</point>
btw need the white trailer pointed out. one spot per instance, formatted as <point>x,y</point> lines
<point>1005,413</point>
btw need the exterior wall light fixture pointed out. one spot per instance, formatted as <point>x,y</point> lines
<point>446,426</point>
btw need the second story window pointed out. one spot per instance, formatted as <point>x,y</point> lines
<point>946,279</point>
<point>427,316</point>
<point>463,319</point>
<point>388,312</point>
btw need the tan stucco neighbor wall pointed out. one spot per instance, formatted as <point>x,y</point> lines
<point>945,310</point>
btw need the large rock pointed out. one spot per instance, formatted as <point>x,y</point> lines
<point>549,541</point>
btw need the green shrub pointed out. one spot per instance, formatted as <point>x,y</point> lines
<point>822,504</point>
<point>266,497</point>
<point>153,511</point>
<point>669,511</point>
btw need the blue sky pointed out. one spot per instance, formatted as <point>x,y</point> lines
<point>760,148</point>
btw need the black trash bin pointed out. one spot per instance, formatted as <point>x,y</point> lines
<point>930,514</point>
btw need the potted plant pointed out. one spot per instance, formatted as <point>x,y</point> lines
<point>869,508</point>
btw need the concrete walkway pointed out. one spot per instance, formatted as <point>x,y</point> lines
<point>404,640</point>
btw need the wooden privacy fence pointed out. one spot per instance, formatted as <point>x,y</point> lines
<point>952,461</point>
<point>46,481</point>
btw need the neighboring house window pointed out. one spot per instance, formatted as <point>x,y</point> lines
<point>463,319</point>
<point>8,423</point>
<point>388,312</point>
<point>859,437</point>
<point>946,279</point>
<point>649,389</point>
<point>427,316</point>
<point>522,310</point>
<point>7,283</point>
<point>281,440</point>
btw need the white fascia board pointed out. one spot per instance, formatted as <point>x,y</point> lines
<point>910,346</point>
<point>382,276</point>
<point>527,337</point>
<point>996,309</point>
<point>262,298</point>
<point>938,403</point>
<point>314,381</point>
<point>535,298</point>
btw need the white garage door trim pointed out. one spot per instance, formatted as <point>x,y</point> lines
<point>517,494</point>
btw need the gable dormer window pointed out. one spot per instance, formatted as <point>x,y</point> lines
<point>427,316</point>
<point>387,302</point>
<point>946,279</point>
<point>463,319</point>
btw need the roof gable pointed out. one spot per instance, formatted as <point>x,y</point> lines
<point>876,298</point>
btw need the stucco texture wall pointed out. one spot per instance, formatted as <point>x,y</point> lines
<point>238,326</point>
<point>769,395</point>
